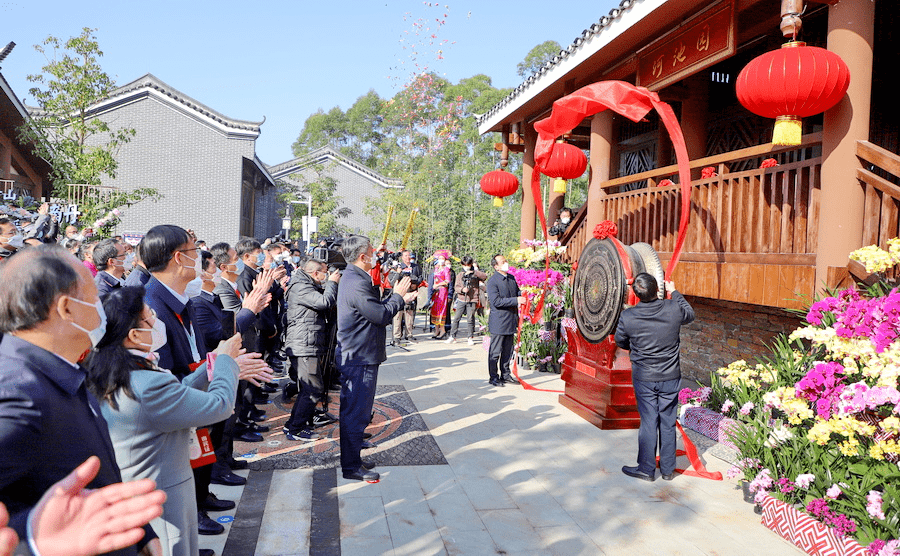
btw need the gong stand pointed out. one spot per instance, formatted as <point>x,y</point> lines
<point>596,372</point>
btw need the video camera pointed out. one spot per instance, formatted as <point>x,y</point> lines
<point>331,254</point>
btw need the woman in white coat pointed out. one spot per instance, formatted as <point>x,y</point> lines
<point>151,415</point>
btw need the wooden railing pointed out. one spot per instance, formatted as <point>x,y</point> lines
<point>741,222</point>
<point>882,193</point>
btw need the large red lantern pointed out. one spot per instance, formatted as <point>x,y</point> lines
<point>499,183</point>
<point>567,162</point>
<point>793,82</point>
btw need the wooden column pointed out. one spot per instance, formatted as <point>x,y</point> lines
<point>5,157</point>
<point>694,111</point>
<point>851,35</point>
<point>601,150</point>
<point>526,231</point>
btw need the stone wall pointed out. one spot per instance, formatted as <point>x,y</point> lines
<point>725,331</point>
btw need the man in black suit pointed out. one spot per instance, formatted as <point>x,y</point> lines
<point>503,322</point>
<point>363,316</point>
<point>405,319</point>
<point>50,315</point>
<point>109,258</point>
<point>651,330</point>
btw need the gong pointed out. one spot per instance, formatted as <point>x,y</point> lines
<point>598,290</point>
<point>601,287</point>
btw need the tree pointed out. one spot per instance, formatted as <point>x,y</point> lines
<point>64,130</point>
<point>537,57</point>
<point>325,204</point>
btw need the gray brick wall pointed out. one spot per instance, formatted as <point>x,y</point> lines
<point>196,167</point>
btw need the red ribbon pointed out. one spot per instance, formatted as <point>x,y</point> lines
<point>699,470</point>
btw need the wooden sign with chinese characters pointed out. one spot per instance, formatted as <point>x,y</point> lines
<point>696,44</point>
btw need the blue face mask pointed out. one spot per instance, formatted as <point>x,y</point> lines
<point>296,260</point>
<point>260,259</point>
<point>239,266</point>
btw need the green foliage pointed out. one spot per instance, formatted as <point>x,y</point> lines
<point>537,57</point>
<point>81,147</point>
<point>326,205</point>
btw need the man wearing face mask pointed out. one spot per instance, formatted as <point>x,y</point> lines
<point>505,298</point>
<point>11,240</point>
<point>50,315</point>
<point>109,257</point>
<point>363,316</point>
<point>139,275</point>
<point>173,260</point>
<point>562,223</point>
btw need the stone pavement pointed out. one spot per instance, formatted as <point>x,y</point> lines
<point>523,475</point>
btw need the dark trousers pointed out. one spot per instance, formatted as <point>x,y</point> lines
<point>657,403</point>
<point>357,397</point>
<point>311,390</point>
<point>469,310</point>
<point>499,355</point>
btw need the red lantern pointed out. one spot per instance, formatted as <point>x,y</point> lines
<point>567,162</point>
<point>793,82</point>
<point>499,183</point>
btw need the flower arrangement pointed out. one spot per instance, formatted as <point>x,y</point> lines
<point>819,419</point>
<point>876,259</point>
<point>535,253</point>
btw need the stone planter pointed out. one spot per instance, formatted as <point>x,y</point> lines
<point>745,490</point>
<point>804,532</point>
<point>524,364</point>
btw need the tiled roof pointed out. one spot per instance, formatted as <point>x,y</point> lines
<point>150,82</point>
<point>549,72</point>
<point>322,154</point>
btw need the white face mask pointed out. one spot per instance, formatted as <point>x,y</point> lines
<point>193,287</point>
<point>16,242</point>
<point>97,333</point>
<point>504,267</point>
<point>129,262</point>
<point>565,220</point>
<point>157,336</point>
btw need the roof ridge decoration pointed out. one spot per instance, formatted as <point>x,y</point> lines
<point>592,31</point>
<point>150,81</point>
<point>290,166</point>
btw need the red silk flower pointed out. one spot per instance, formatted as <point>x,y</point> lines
<point>708,172</point>
<point>665,183</point>
<point>606,229</point>
<point>769,163</point>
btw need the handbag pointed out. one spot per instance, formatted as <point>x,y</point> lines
<point>200,448</point>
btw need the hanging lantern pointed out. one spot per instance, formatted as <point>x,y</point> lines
<point>566,162</point>
<point>793,82</point>
<point>499,183</point>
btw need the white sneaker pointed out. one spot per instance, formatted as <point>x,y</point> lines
<point>471,342</point>
<point>450,340</point>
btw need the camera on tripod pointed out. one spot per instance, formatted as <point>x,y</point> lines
<point>330,254</point>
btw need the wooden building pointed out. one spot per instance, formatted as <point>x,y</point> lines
<point>21,171</point>
<point>761,240</point>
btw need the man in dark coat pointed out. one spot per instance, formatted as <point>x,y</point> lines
<point>503,322</point>
<point>363,316</point>
<point>311,295</point>
<point>50,315</point>
<point>407,316</point>
<point>650,330</point>
<point>109,258</point>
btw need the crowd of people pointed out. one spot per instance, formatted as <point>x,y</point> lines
<point>157,356</point>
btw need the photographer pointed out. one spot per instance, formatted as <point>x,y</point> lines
<point>562,223</point>
<point>407,315</point>
<point>467,287</point>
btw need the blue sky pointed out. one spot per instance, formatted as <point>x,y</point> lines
<point>283,60</point>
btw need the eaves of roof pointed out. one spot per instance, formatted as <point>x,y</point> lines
<point>590,41</point>
<point>323,154</point>
<point>150,85</point>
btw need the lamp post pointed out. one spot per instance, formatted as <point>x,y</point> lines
<point>308,203</point>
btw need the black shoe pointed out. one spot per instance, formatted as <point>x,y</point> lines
<point>637,474</point>
<point>363,475</point>
<point>249,436</point>
<point>367,435</point>
<point>207,552</point>
<point>509,380</point>
<point>239,464</point>
<point>256,427</point>
<point>304,435</point>
<point>366,445</point>
<point>257,415</point>
<point>213,504</point>
<point>228,479</point>
<point>392,344</point>
<point>668,477</point>
<point>288,391</point>
<point>368,464</point>
<point>320,420</point>
<point>206,526</point>
<point>260,400</point>
<point>496,382</point>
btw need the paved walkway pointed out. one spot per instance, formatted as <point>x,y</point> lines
<point>524,475</point>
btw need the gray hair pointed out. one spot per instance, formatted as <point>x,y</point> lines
<point>30,282</point>
<point>353,247</point>
<point>104,251</point>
